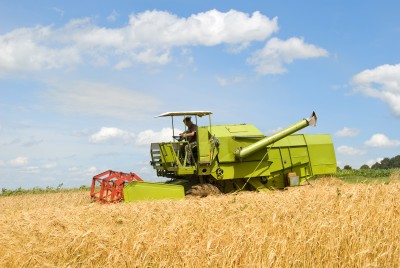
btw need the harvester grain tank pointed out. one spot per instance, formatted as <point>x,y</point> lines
<point>229,158</point>
<point>243,152</point>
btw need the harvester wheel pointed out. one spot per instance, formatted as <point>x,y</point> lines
<point>203,190</point>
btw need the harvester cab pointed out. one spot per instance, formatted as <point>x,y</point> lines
<point>181,157</point>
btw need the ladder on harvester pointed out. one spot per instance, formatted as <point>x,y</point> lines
<point>155,155</point>
<point>156,162</point>
<point>165,158</point>
<point>107,187</point>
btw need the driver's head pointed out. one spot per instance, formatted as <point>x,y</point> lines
<point>188,121</point>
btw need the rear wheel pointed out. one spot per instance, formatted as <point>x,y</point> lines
<point>203,190</point>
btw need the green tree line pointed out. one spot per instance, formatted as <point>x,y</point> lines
<point>386,163</point>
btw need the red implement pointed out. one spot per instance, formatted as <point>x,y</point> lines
<point>107,187</point>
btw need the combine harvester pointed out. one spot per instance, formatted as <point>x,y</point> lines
<point>225,159</point>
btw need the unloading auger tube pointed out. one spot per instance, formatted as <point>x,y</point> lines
<point>241,153</point>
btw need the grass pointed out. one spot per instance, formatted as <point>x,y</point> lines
<point>367,175</point>
<point>38,190</point>
<point>329,224</point>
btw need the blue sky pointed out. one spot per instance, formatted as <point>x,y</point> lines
<point>81,82</point>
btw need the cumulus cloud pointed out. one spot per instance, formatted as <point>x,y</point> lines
<point>226,81</point>
<point>24,49</point>
<point>148,136</point>
<point>110,133</point>
<point>100,99</point>
<point>347,132</point>
<point>148,39</point>
<point>277,53</point>
<point>381,140</point>
<point>206,28</point>
<point>19,161</point>
<point>383,83</point>
<point>348,150</point>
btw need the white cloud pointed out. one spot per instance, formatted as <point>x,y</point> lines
<point>109,133</point>
<point>50,165</point>
<point>24,50</point>
<point>382,83</point>
<point>348,150</point>
<point>123,64</point>
<point>79,171</point>
<point>148,38</point>
<point>19,161</point>
<point>206,28</point>
<point>381,140</point>
<point>347,132</point>
<point>30,170</point>
<point>373,161</point>
<point>148,136</point>
<point>226,81</point>
<point>276,53</point>
<point>113,16</point>
<point>97,99</point>
<point>91,171</point>
<point>153,56</point>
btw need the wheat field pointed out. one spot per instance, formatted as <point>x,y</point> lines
<point>329,224</point>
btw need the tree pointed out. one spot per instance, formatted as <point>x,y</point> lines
<point>365,166</point>
<point>347,167</point>
<point>376,166</point>
<point>395,162</point>
<point>387,163</point>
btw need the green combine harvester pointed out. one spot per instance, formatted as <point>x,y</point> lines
<point>231,158</point>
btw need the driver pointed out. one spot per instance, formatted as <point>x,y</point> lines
<point>191,130</point>
<point>190,133</point>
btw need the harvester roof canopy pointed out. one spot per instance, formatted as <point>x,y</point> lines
<point>187,113</point>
